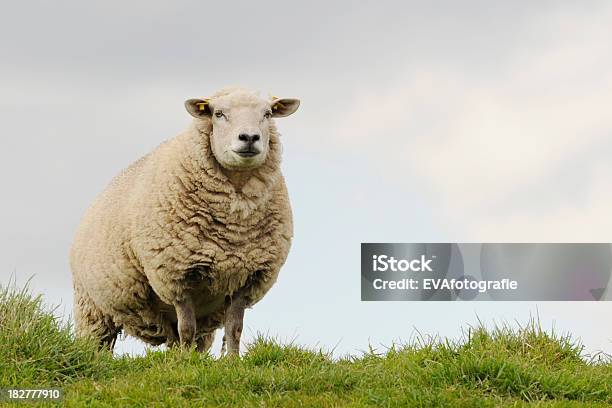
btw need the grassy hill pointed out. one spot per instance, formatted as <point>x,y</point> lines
<point>502,367</point>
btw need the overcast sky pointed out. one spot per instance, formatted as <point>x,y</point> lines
<point>420,121</point>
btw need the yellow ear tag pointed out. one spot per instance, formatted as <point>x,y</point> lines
<point>202,105</point>
<point>277,104</point>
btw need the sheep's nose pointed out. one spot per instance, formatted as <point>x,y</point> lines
<point>243,137</point>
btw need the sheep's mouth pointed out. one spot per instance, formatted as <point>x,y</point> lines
<point>246,153</point>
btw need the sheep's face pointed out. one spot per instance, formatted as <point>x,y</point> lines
<point>240,126</point>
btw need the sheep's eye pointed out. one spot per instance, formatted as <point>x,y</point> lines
<point>268,115</point>
<point>219,114</point>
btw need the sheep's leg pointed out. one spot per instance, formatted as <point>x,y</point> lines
<point>205,342</point>
<point>234,316</point>
<point>186,322</point>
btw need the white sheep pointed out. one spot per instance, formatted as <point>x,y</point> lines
<point>187,237</point>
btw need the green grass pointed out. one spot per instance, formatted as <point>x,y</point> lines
<point>488,368</point>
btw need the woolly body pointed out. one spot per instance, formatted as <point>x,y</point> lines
<point>176,225</point>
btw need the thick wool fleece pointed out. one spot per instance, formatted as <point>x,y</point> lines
<point>172,225</point>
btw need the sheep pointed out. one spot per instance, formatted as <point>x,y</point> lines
<point>187,237</point>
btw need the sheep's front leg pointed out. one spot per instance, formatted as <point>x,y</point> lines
<point>234,316</point>
<point>186,322</point>
<point>205,342</point>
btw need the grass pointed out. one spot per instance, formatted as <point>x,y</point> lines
<point>488,368</point>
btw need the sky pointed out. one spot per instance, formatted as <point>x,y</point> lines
<point>434,121</point>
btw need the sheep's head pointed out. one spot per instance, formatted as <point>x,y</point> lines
<point>241,122</point>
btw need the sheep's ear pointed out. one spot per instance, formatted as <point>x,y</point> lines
<point>198,108</point>
<point>282,107</point>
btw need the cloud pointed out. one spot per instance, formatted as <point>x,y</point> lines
<point>494,150</point>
